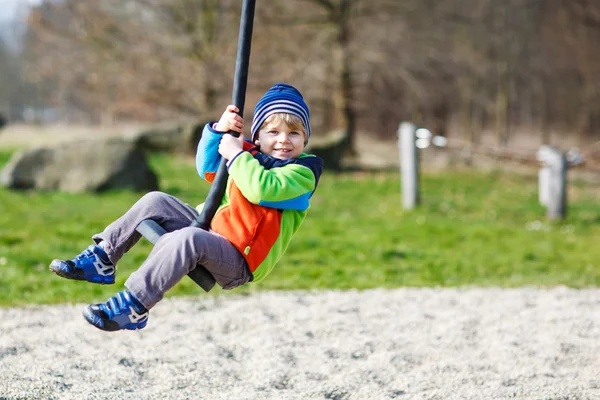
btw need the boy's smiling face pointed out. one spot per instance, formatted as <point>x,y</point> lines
<point>277,139</point>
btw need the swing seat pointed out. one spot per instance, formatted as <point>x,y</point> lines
<point>152,231</point>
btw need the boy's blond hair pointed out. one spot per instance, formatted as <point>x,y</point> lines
<point>292,121</point>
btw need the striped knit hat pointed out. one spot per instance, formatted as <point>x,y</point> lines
<point>281,98</point>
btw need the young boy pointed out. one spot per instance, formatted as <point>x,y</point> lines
<point>270,183</point>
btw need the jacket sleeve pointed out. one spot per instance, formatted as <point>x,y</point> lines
<point>287,187</point>
<point>207,154</point>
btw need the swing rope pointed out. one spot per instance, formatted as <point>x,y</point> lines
<point>151,230</point>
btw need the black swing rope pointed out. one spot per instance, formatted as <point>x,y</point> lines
<point>151,230</point>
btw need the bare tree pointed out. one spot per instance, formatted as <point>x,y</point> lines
<point>136,59</point>
<point>463,68</point>
<point>7,72</point>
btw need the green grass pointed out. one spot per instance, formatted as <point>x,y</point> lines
<point>472,229</point>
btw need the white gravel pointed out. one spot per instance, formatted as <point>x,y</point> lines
<point>377,344</point>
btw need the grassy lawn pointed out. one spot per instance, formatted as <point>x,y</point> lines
<point>472,229</point>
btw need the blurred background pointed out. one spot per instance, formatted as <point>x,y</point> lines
<point>487,75</point>
<point>487,83</point>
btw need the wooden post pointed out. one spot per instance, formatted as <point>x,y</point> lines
<point>409,165</point>
<point>553,182</point>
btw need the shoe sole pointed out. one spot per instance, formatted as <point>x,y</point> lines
<point>102,280</point>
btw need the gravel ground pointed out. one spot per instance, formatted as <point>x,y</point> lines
<point>378,344</point>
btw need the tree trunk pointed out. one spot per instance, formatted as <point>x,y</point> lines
<point>346,81</point>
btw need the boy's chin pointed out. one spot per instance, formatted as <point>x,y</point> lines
<point>281,156</point>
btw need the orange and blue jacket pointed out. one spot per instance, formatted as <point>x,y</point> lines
<point>265,201</point>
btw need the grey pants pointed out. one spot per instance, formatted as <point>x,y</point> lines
<point>176,253</point>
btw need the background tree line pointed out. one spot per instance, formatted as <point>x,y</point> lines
<point>472,70</point>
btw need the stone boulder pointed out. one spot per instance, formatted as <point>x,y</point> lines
<point>330,147</point>
<point>170,137</point>
<point>92,165</point>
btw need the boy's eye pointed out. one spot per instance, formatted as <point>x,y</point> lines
<point>294,133</point>
<point>272,132</point>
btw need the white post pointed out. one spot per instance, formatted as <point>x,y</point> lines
<point>553,181</point>
<point>409,165</point>
<point>557,208</point>
<point>544,185</point>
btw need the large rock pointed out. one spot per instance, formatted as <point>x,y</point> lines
<point>171,137</point>
<point>330,147</point>
<point>81,166</point>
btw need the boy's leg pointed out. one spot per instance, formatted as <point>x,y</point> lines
<point>173,256</point>
<point>121,235</point>
<point>177,253</point>
<point>97,263</point>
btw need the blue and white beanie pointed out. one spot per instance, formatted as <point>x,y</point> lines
<point>281,98</point>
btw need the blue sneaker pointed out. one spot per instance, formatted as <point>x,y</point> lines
<point>91,265</point>
<point>122,311</point>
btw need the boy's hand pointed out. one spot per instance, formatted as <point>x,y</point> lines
<point>231,146</point>
<point>230,121</point>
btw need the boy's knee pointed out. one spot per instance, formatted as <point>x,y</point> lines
<point>154,197</point>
